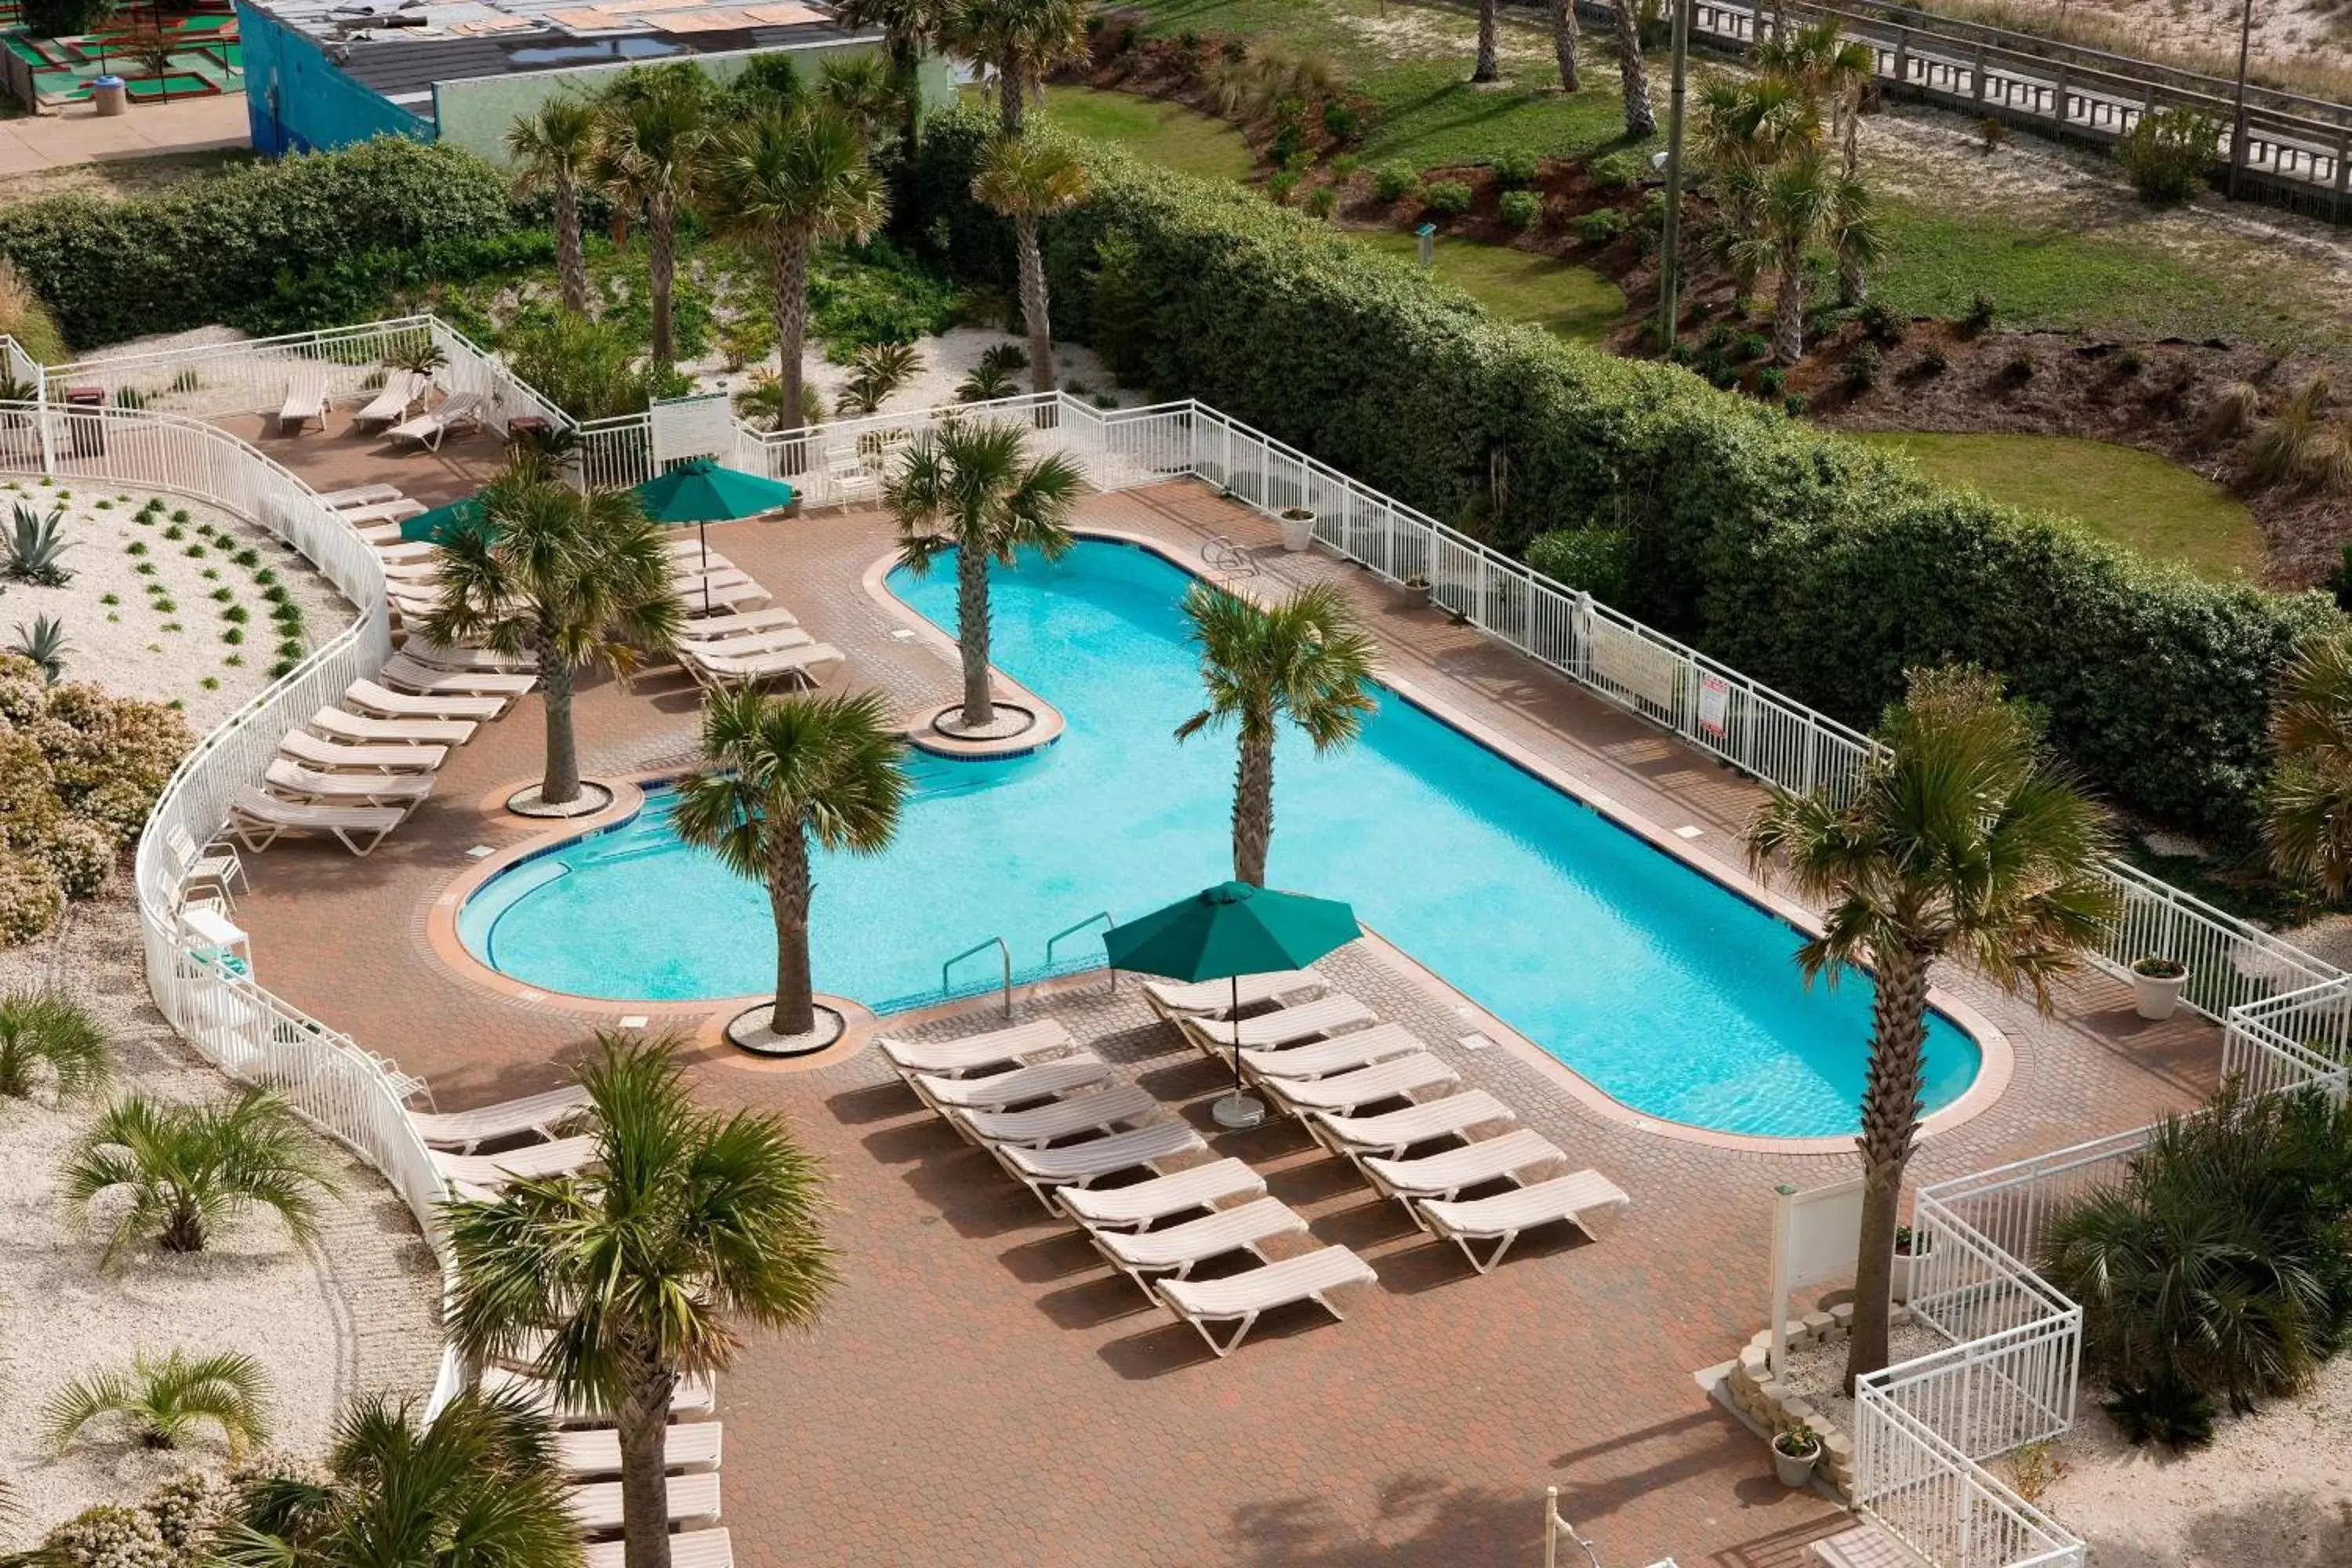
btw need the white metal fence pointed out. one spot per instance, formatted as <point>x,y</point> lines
<point>1948,1507</point>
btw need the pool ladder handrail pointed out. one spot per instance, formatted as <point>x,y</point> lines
<point>1105,917</point>
<point>997,942</point>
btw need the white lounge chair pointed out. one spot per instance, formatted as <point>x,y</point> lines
<point>1002,1091</point>
<point>1041,1171</point>
<point>1290,1026</point>
<point>688,1549</point>
<point>407,674</point>
<point>596,1450</point>
<point>443,655</point>
<point>748,645</point>
<point>463,1131</point>
<point>213,866</point>
<point>1390,1133</point>
<point>313,753</point>
<point>690,1399</point>
<point>1500,1219</point>
<point>713,599</point>
<point>1214,998</point>
<point>359,495</point>
<point>799,664</point>
<point>261,820</point>
<point>993,1051</point>
<point>713,628</point>
<point>1096,1110</point>
<point>1180,1249</point>
<point>393,399</point>
<point>1337,1054</point>
<point>1400,1078</point>
<point>1241,1298</point>
<point>306,399</point>
<point>410,554</point>
<point>1446,1175</point>
<point>596,1507</point>
<point>1142,1203</point>
<point>336,724</point>
<point>458,412</point>
<point>373,698</point>
<point>400,509</point>
<point>563,1157</point>
<point>295,782</point>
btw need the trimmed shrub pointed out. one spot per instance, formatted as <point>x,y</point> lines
<point>1521,210</point>
<point>2168,154</point>
<point>1446,198</point>
<point>1809,562</point>
<point>225,248</point>
<point>1600,225</point>
<point>1863,367</point>
<point>1516,167</point>
<point>1342,121</point>
<point>31,897</point>
<point>1390,182</point>
<point>1617,171</point>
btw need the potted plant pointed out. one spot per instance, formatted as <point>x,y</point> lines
<point>1795,1452</point>
<point>1418,585</point>
<point>2157,982</point>
<point>1910,1246</point>
<point>1298,529</point>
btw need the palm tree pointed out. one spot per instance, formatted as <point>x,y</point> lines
<point>477,1487</point>
<point>165,1401</point>
<point>909,28</point>
<point>571,579</point>
<point>555,149</point>
<point>1746,128</point>
<point>863,88</point>
<point>966,487</point>
<point>1967,841</point>
<point>1024,40</point>
<point>1564,45</point>
<point>1833,72</point>
<point>785,770</point>
<point>1641,121</point>
<point>48,1026</point>
<point>2307,816</point>
<point>1308,659</point>
<point>1028,181</point>
<point>1488,67</point>
<point>1856,238</point>
<point>649,146</point>
<point>190,1169</point>
<point>785,181</point>
<point>687,1227</point>
<point>1792,209</point>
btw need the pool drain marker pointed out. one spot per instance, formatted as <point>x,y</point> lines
<point>478,851</point>
<point>1687,831</point>
<point>1474,1041</point>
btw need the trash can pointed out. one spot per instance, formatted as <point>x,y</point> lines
<point>109,94</point>
<point>86,421</point>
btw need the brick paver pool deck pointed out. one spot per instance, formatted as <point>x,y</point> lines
<point>985,1391</point>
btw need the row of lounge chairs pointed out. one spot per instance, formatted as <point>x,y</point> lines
<point>587,1443</point>
<point>402,409</point>
<point>1016,1092</point>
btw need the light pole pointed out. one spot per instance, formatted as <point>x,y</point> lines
<point>2238,121</point>
<point>1670,265</point>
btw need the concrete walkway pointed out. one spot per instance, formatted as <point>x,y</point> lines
<point>41,142</point>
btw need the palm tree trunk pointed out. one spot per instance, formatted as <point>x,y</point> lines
<point>661,273</point>
<point>1012,97</point>
<point>1253,811</point>
<point>788,286</point>
<point>1853,283</point>
<point>1563,45</point>
<point>644,1422</point>
<point>559,784</point>
<point>1488,68</point>
<point>1789,308</point>
<point>1034,308</point>
<point>183,1228</point>
<point>571,256</point>
<point>1640,121</point>
<point>1890,1125</point>
<point>910,95</point>
<point>794,1012</point>
<point>972,635</point>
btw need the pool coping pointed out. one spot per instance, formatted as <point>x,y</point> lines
<point>1996,1056</point>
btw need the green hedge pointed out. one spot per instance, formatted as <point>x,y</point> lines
<point>1805,560</point>
<point>233,248</point>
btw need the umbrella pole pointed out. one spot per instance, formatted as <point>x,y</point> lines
<point>1237,1109</point>
<point>702,538</point>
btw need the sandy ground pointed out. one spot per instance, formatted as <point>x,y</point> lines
<point>2285,32</point>
<point>2272,1491</point>
<point>355,1308</point>
<point>946,359</point>
<point>133,647</point>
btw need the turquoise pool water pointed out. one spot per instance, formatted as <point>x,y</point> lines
<point>1668,991</point>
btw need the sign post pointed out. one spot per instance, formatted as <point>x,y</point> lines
<point>1815,1234</point>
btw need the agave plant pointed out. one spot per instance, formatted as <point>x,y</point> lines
<point>1011,359</point>
<point>420,355</point>
<point>163,1401</point>
<point>761,403</point>
<point>36,545</point>
<point>188,1169</point>
<point>44,642</point>
<point>986,384</point>
<point>37,1026</point>
<point>881,370</point>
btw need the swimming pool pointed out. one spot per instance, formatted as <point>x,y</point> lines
<point>1669,992</point>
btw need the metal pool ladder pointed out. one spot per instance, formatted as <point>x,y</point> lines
<point>1105,917</point>
<point>997,942</point>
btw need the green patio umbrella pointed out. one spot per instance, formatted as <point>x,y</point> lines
<point>434,526</point>
<point>699,492</point>
<point>1222,934</point>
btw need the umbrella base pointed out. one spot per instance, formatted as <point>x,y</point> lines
<point>1237,1110</point>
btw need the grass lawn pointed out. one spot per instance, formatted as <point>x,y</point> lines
<point>1168,133</point>
<point>1570,301</point>
<point>2135,497</point>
